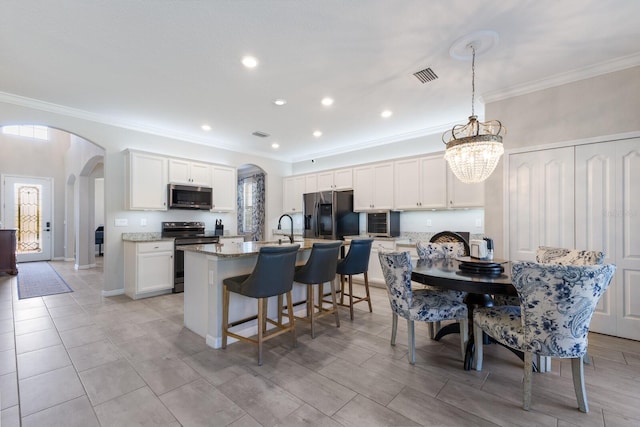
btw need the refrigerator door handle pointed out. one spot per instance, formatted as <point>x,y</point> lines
<point>316,209</point>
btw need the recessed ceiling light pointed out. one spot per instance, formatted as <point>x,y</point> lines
<point>206,127</point>
<point>327,101</point>
<point>249,62</point>
<point>279,102</point>
<point>317,134</point>
<point>386,113</point>
<point>275,145</point>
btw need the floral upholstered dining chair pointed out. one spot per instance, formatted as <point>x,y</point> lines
<point>556,306</point>
<point>443,250</point>
<point>421,305</point>
<point>560,256</point>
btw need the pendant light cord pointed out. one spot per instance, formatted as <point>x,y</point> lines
<point>473,80</point>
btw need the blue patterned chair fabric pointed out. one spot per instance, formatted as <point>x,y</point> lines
<point>556,306</point>
<point>562,256</point>
<point>421,305</point>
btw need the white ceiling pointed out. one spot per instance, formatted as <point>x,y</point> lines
<point>169,66</point>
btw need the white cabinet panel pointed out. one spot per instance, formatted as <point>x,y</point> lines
<point>148,268</point>
<point>225,189</point>
<point>146,181</point>
<point>462,195</point>
<point>420,183</point>
<point>293,189</point>
<point>190,173</point>
<point>341,179</point>
<point>373,187</point>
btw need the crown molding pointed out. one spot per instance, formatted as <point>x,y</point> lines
<point>376,142</point>
<point>62,110</point>
<point>617,64</point>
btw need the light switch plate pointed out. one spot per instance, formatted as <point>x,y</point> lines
<point>121,222</point>
<point>143,222</point>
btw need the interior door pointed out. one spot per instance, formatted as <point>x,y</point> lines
<point>27,207</point>
<point>541,201</point>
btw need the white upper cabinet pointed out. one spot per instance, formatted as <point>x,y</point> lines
<point>463,195</point>
<point>341,179</point>
<point>373,187</point>
<point>310,183</point>
<point>225,188</point>
<point>292,190</point>
<point>420,183</point>
<point>146,181</point>
<point>189,173</point>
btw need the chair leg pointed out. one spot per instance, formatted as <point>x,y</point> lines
<point>464,336</point>
<point>261,321</point>
<point>351,296</point>
<point>334,299</point>
<point>280,309</point>
<point>394,328</point>
<point>477,341</point>
<point>291,321</point>
<point>311,310</point>
<point>412,341</point>
<point>577,369</point>
<point>342,289</point>
<point>431,329</point>
<point>225,315</point>
<point>366,288</point>
<point>526,385</point>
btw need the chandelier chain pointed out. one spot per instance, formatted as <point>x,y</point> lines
<point>473,80</point>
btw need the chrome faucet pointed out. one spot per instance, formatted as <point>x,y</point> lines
<point>280,226</point>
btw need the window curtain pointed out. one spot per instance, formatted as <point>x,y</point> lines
<point>258,202</point>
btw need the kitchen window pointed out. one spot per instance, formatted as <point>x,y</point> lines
<point>248,190</point>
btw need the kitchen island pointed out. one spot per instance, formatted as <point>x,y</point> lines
<point>206,266</point>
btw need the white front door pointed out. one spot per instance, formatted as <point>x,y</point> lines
<point>27,207</point>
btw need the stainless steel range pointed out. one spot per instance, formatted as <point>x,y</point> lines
<point>185,233</point>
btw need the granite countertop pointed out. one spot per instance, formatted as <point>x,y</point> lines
<point>246,248</point>
<point>144,237</point>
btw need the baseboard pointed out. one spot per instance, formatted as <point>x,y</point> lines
<point>68,259</point>
<point>60,258</point>
<point>84,267</point>
<point>113,293</point>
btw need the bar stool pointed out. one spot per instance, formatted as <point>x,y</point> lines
<point>356,262</point>
<point>319,269</point>
<point>272,276</point>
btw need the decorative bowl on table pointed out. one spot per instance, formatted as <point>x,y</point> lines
<point>480,266</point>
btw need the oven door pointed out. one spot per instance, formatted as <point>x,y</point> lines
<point>178,264</point>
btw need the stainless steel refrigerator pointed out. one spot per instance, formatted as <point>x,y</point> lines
<point>330,215</point>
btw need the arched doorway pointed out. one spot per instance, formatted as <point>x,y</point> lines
<point>66,159</point>
<point>251,202</point>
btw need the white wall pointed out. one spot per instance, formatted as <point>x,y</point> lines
<point>98,218</point>
<point>604,105</point>
<point>37,158</point>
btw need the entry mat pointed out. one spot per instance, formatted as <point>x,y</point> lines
<point>37,279</point>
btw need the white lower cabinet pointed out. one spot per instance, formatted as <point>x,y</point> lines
<point>148,268</point>
<point>375,269</point>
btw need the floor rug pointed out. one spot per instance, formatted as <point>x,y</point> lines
<point>37,279</point>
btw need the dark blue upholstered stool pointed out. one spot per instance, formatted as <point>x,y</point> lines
<point>356,262</point>
<point>272,276</point>
<point>319,269</point>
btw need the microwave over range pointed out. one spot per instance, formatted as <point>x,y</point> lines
<point>190,197</point>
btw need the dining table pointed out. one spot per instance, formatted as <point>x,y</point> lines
<point>479,279</point>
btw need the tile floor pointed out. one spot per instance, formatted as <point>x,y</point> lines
<point>79,359</point>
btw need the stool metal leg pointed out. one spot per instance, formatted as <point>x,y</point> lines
<point>366,287</point>
<point>334,298</point>
<point>351,296</point>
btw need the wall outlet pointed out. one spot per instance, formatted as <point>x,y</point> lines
<point>429,223</point>
<point>143,222</point>
<point>478,222</point>
<point>121,222</point>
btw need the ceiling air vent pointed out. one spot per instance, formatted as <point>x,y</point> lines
<point>260,134</point>
<point>426,75</point>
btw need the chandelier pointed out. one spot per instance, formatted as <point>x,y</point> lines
<point>474,149</point>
